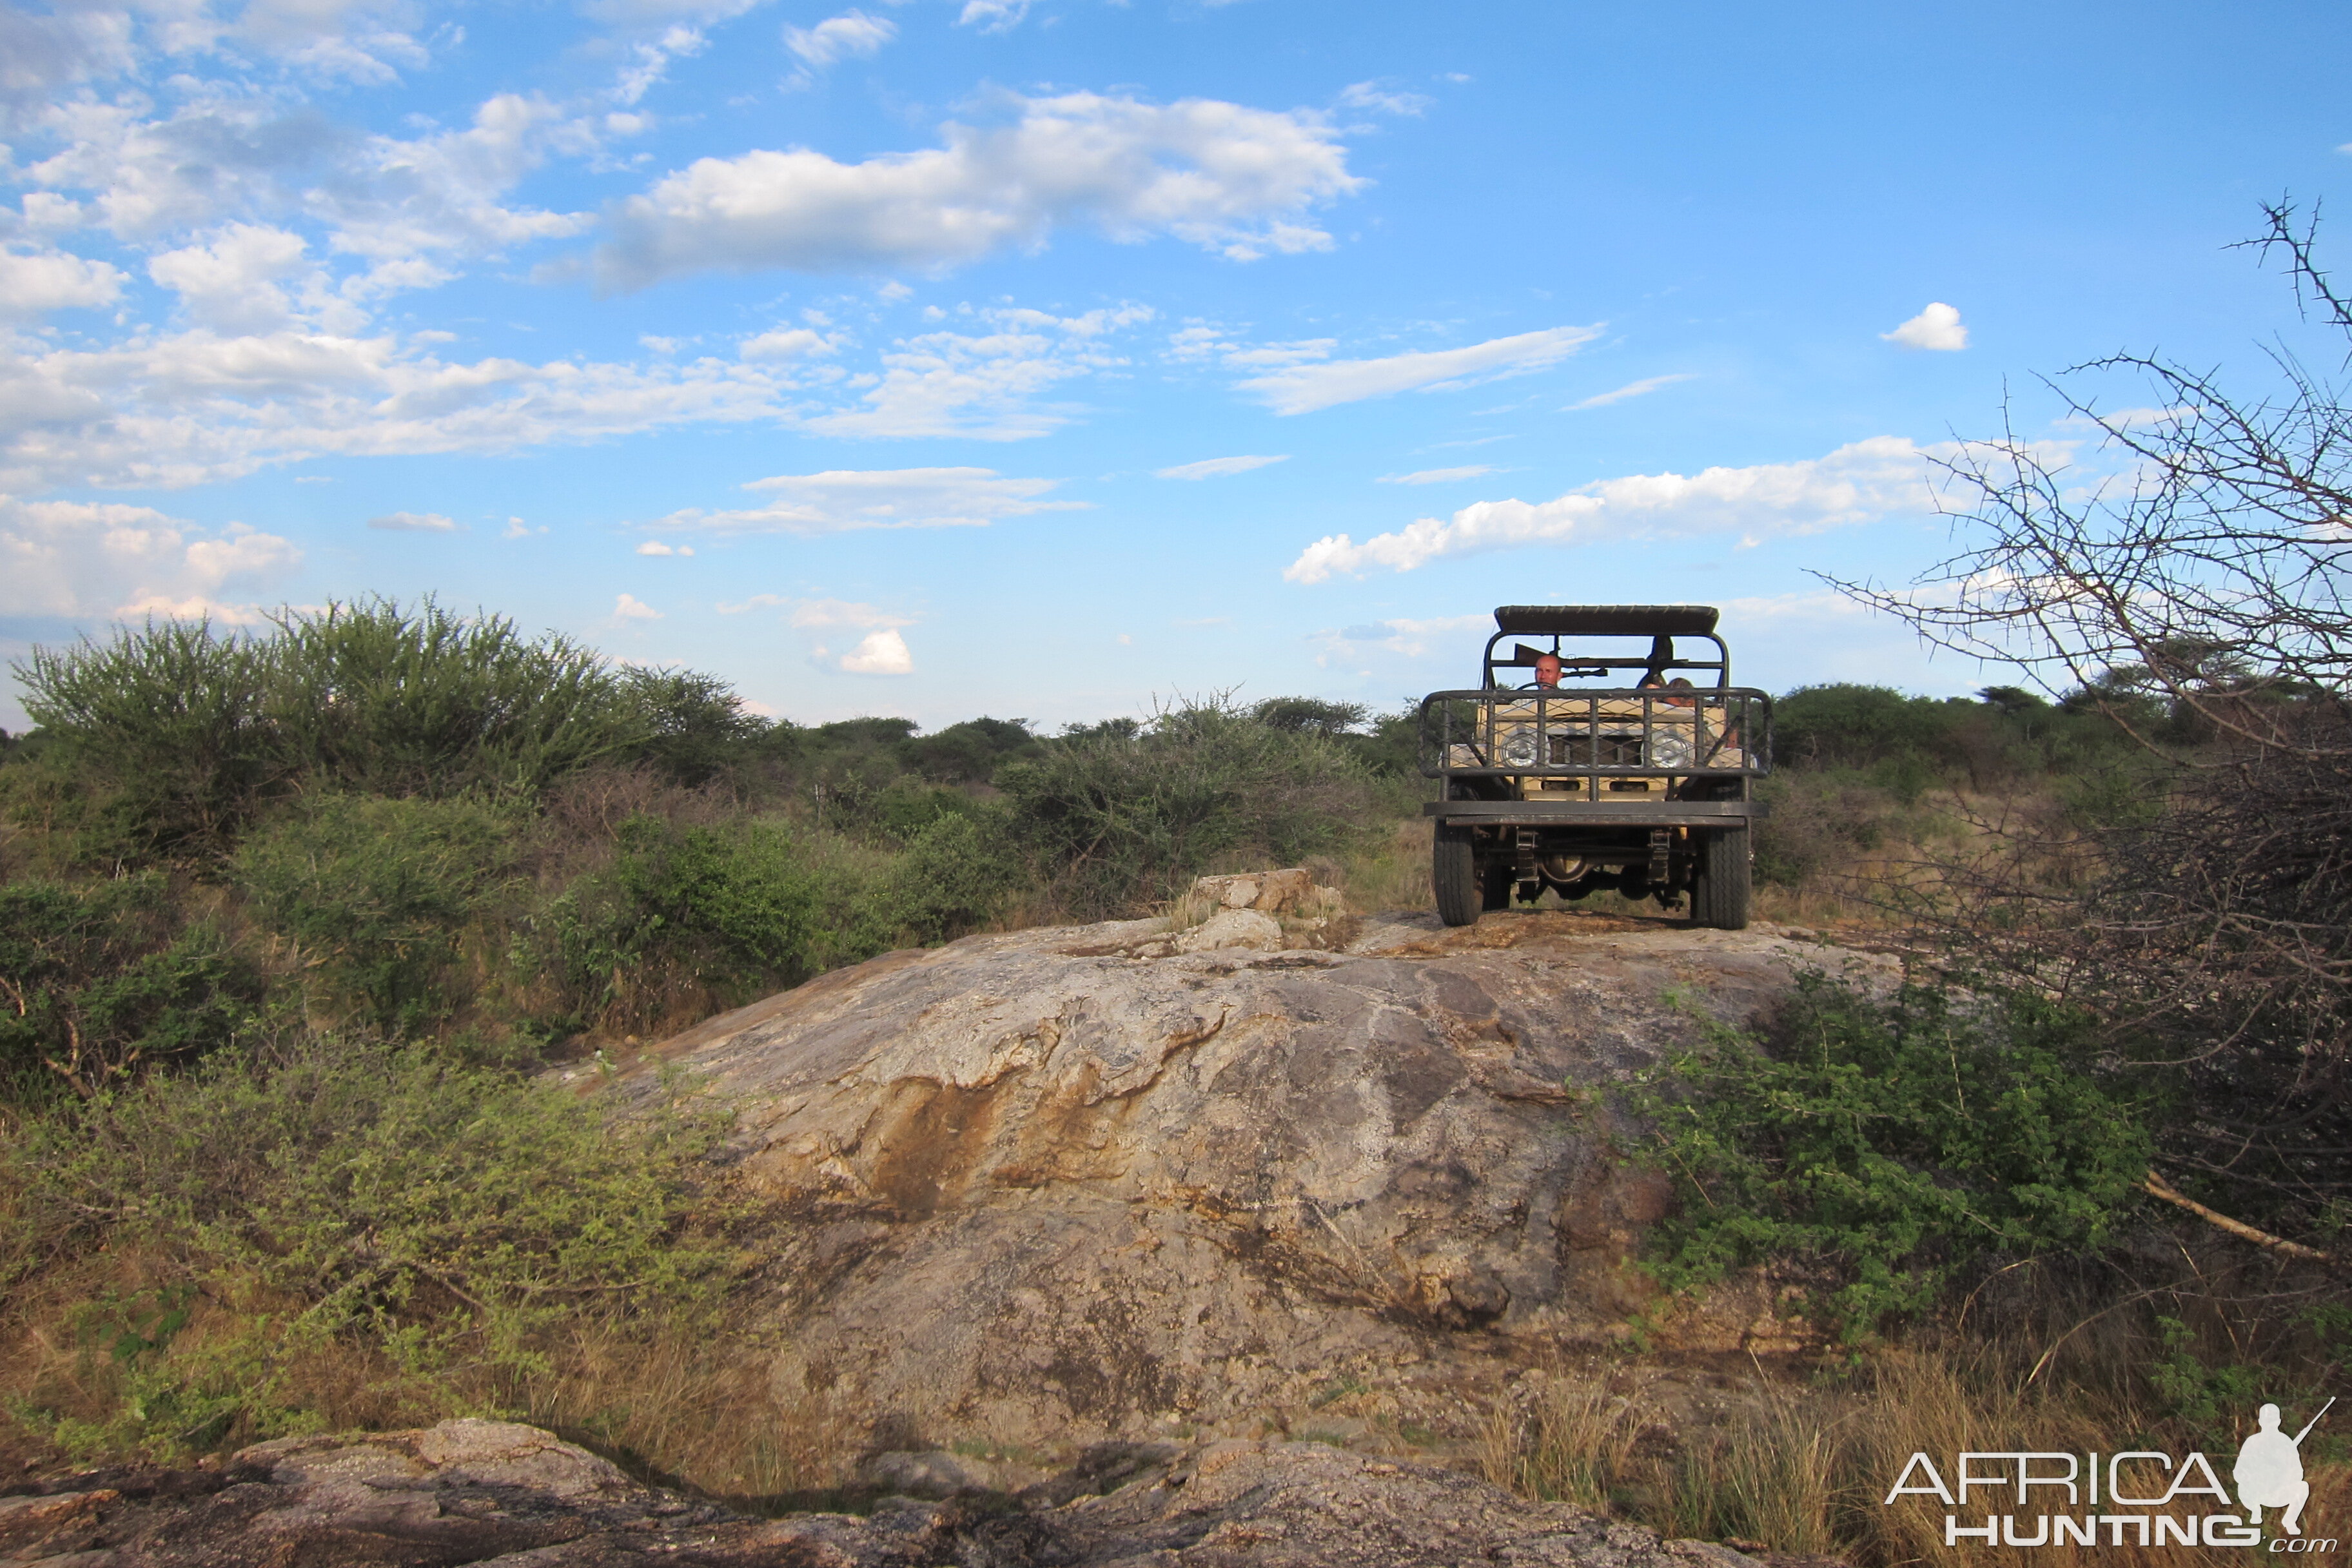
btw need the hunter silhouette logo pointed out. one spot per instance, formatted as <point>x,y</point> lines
<point>2134,1497</point>
<point>2268,1471</point>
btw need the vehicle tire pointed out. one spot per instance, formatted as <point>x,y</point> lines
<point>1719,895</point>
<point>1499,882</point>
<point>1453,875</point>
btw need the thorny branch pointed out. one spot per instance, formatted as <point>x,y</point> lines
<point>2200,595</point>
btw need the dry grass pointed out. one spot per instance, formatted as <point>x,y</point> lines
<point>1806,1468</point>
<point>1392,872</point>
<point>697,1410</point>
<point>684,1407</point>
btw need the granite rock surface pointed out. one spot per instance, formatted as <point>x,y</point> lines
<point>486,1492</point>
<point>1060,1187</point>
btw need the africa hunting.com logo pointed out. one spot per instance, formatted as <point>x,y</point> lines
<point>2268,1474</point>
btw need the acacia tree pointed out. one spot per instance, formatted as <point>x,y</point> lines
<point>2198,598</point>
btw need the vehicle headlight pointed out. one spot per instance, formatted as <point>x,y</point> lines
<point>1519,747</point>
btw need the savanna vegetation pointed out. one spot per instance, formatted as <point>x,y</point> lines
<point>294,924</point>
<point>2083,1178</point>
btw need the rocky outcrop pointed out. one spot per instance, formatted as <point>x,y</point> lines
<point>487,1492</point>
<point>1054,1188</point>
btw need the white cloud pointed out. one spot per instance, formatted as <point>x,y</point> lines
<point>656,547</point>
<point>1230,178</point>
<point>1439,476</point>
<point>1936,328</point>
<point>345,39</point>
<point>1371,95</point>
<point>1304,389</point>
<point>389,203</point>
<point>992,15</point>
<point>1216,467</point>
<point>212,158</point>
<point>853,33</point>
<point>41,53</point>
<point>786,342</point>
<point>830,615</point>
<point>192,407</point>
<point>1410,637</point>
<point>81,558</point>
<point>961,383</point>
<point>1198,341</point>
<point>820,613</point>
<point>659,12</point>
<point>442,193</point>
<point>1641,388</point>
<point>1195,342</point>
<point>1803,609</point>
<point>1856,483</point>
<point>629,609</point>
<point>331,39</point>
<point>230,283</point>
<point>1278,354</point>
<point>650,59</point>
<point>842,500</point>
<point>35,281</point>
<point>413,522</point>
<point>879,653</point>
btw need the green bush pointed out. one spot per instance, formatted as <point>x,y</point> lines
<point>1118,821</point>
<point>371,696</point>
<point>971,752</point>
<point>189,734</point>
<point>696,726</point>
<point>445,1218</point>
<point>741,888</point>
<point>955,876</point>
<point>100,980</point>
<point>1892,1146</point>
<point>375,894</point>
<point>1906,744</point>
<point>907,805</point>
<point>1848,726</point>
<point>736,911</point>
<point>166,724</point>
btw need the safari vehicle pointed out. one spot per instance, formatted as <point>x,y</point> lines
<point>1625,775</point>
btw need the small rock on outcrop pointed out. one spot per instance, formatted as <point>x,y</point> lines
<point>1233,928</point>
<point>1292,890</point>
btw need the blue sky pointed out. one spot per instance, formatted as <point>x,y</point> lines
<point>1047,358</point>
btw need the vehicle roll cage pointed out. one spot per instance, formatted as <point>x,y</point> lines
<point>1712,729</point>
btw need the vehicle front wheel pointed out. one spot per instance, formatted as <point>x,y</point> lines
<point>1720,894</point>
<point>1453,875</point>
